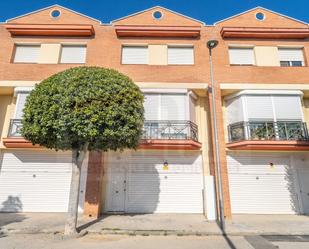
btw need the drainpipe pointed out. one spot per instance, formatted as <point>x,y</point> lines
<point>211,44</point>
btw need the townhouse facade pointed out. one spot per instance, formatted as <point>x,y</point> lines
<point>262,101</point>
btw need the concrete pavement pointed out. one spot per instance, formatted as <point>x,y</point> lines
<point>96,241</point>
<point>99,241</point>
<point>157,224</point>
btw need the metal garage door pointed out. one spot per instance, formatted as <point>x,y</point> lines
<point>139,182</point>
<point>36,181</point>
<point>262,183</point>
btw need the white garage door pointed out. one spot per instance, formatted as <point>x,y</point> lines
<point>36,181</point>
<point>262,183</point>
<point>138,182</point>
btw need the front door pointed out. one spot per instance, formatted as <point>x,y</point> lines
<point>117,188</point>
<point>303,175</point>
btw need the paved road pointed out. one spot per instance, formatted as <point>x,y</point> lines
<point>92,241</point>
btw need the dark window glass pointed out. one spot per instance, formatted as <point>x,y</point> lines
<point>284,63</point>
<point>297,64</point>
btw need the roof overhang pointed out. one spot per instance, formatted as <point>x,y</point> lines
<point>268,33</point>
<point>50,30</point>
<point>157,31</point>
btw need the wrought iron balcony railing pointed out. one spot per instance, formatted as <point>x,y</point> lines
<point>163,129</point>
<point>264,130</point>
<point>15,128</point>
<point>152,129</point>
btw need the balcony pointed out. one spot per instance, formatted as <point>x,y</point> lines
<point>282,135</point>
<point>14,138</point>
<point>156,135</point>
<point>15,128</point>
<point>163,129</point>
<point>163,134</point>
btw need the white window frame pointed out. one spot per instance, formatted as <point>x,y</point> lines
<point>171,92</point>
<point>290,62</point>
<point>16,45</point>
<point>134,45</point>
<point>63,45</point>
<point>270,93</point>
<point>247,47</point>
<point>181,46</point>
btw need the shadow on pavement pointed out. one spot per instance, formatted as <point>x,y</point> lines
<point>88,224</point>
<point>226,237</point>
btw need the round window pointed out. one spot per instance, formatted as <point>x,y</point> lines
<point>157,15</point>
<point>260,16</point>
<point>55,13</point>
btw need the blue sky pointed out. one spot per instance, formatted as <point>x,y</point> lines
<point>204,10</point>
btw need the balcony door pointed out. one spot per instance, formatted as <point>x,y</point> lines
<point>166,115</point>
<point>166,106</point>
<point>265,115</point>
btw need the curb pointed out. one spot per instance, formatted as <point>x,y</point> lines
<point>128,232</point>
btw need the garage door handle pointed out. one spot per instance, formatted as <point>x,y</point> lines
<point>117,191</point>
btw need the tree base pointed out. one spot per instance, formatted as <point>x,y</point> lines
<point>76,235</point>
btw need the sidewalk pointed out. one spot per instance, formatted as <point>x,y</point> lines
<point>157,224</point>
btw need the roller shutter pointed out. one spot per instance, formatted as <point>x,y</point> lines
<point>152,189</point>
<point>36,181</point>
<point>256,187</point>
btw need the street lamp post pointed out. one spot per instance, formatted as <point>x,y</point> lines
<point>211,44</point>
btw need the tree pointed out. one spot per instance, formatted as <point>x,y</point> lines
<point>83,109</point>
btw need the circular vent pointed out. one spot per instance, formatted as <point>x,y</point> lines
<point>260,16</point>
<point>55,13</point>
<point>157,15</point>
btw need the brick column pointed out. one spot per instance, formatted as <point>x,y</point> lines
<point>222,148</point>
<point>93,195</point>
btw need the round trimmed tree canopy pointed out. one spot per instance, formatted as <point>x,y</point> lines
<point>82,105</point>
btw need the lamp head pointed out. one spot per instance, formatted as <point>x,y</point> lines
<point>212,44</point>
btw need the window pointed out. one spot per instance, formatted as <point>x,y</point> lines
<point>284,106</point>
<point>20,103</point>
<point>291,57</point>
<point>27,53</point>
<point>263,116</point>
<point>241,56</point>
<point>180,55</point>
<point>134,55</point>
<point>73,54</point>
<point>169,106</point>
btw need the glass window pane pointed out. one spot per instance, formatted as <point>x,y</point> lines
<point>297,63</point>
<point>284,63</point>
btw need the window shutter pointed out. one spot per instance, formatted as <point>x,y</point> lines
<point>134,55</point>
<point>180,55</point>
<point>73,54</point>
<point>241,56</point>
<point>192,103</point>
<point>173,107</point>
<point>259,107</point>
<point>288,107</point>
<point>27,53</point>
<point>234,109</point>
<point>21,100</point>
<point>151,106</point>
<point>291,54</point>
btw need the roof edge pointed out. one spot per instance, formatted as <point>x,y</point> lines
<point>157,6</point>
<point>260,7</point>
<point>51,6</point>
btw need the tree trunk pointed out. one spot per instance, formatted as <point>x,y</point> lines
<point>77,161</point>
